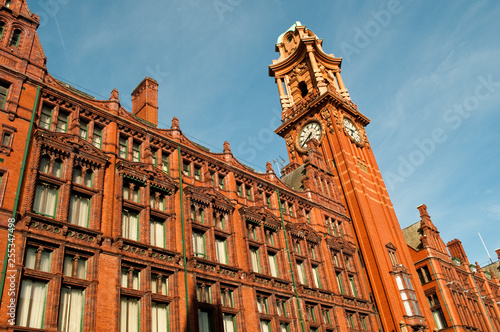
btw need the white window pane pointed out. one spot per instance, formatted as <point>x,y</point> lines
<point>31,308</point>
<point>204,321</point>
<point>229,324</point>
<point>273,265</point>
<point>221,251</point>
<point>399,282</point>
<point>129,315</point>
<point>71,309</point>
<point>159,317</point>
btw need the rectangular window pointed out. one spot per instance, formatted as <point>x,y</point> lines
<point>265,326</point>
<point>268,200</point>
<point>212,176</point>
<point>123,148</point>
<point>160,318</point>
<point>251,231</point>
<point>296,247</point>
<point>311,313</point>
<point>239,189</point>
<point>227,297</point>
<point>249,193</point>
<point>130,225</point>
<point>84,129</point>
<point>284,327</point>
<point>204,293</point>
<point>312,251</point>
<point>340,284</point>
<point>75,266</point>
<point>45,117</point>
<point>205,321</point>
<point>129,314</point>
<point>255,260</point>
<point>273,264</point>
<point>131,278</point>
<point>34,262</point>
<point>352,284</point>
<point>131,193</point>
<point>221,182</point>
<point>71,309</point>
<point>350,320</point>
<point>326,316</point>
<point>32,301</point>
<point>220,221</point>
<point>281,308</point>
<point>136,151</point>
<point>197,172</point>
<point>79,210</point>
<point>302,273</point>
<point>308,217</point>
<point>164,163</point>
<point>159,284</point>
<point>439,319</point>
<point>269,236</point>
<point>317,279</point>
<point>186,169</point>
<point>97,138</point>
<point>424,275</point>
<point>221,250</point>
<point>62,123</point>
<point>199,247</point>
<point>229,322</point>
<point>46,200</point>
<point>262,304</point>
<point>6,139</point>
<point>4,87</point>
<point>157,232</point>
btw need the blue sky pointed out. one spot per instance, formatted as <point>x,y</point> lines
<point>426,73</point>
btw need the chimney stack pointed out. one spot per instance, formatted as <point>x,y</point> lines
<point>145,101</point>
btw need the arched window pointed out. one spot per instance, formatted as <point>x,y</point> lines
<point>16,38</point>
<point>303,89</point>
<point>2,29</point>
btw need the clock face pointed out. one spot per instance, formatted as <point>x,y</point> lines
<point>310,130</point>
<point>351,130</point>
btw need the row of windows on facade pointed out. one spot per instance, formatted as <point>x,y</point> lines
<point>92,132</point>
<point>46,204</point>
<point>469,311</point>
<point>47,193</point>
<point>33,299</point>
<point>276,313</point>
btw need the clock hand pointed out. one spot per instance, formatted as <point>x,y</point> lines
<point>305,141</point>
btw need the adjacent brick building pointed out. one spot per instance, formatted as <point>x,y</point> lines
<point>119,225</point>
<point>462,296</point>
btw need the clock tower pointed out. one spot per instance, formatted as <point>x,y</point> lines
<point>316,105</point>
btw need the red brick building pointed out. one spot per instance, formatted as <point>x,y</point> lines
<point>109,223</point>
<point>462,296</point>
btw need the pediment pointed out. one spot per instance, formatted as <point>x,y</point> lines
<point>143,172</point>
<point>71,143</point>
<point>209,195</point>
<point>303,231</point>
<point>259,215</point>
<point>339,243</point>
